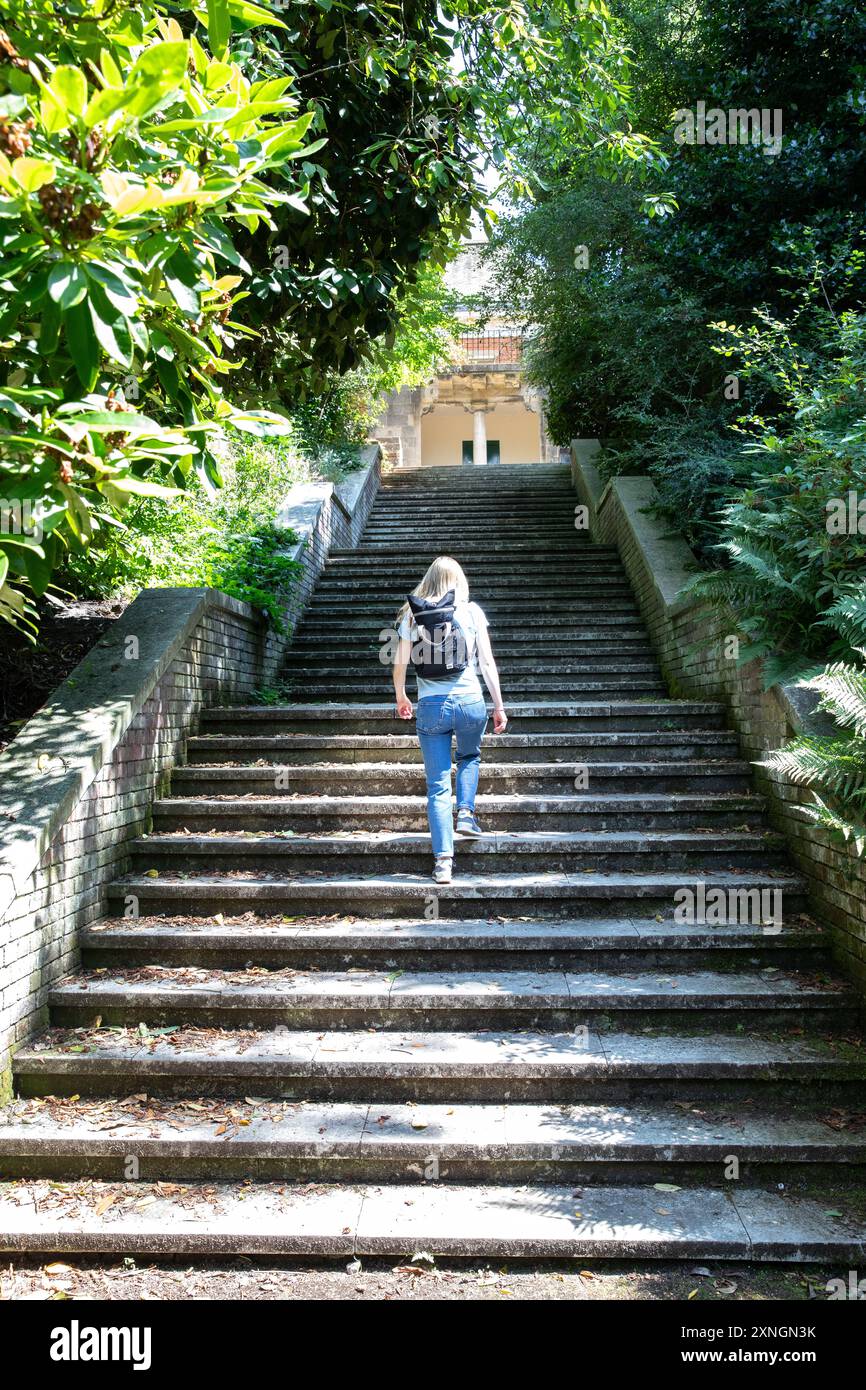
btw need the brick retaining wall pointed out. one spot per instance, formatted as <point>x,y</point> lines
<point>689,641</point>
<point>77,784</point>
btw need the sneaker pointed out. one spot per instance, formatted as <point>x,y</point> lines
<point>442,868</point>
<point>467,824</point>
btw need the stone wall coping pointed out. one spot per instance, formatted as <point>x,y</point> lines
<point>349,492</point>
<point>49,765</point>
<point>672,563</point>
<point>301,508</point>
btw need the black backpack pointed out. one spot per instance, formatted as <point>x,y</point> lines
<point>441,649</point>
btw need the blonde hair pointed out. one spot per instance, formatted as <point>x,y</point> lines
<point>443,574</point>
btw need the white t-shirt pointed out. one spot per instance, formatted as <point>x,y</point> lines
<point>472,619</point>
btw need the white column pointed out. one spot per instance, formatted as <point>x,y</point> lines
<point>479,436</point>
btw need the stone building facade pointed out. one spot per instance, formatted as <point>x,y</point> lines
<point>480,410</point>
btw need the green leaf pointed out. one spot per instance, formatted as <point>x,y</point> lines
<point>157,71</point>
<point>111,329</point>
<point>182,283</point>
<point>249,15</point>
<point>104,104</point>
<point>37,569</point>
<point>32,174</point>
<point>69,87</point>
<point>67,284</point>
<point>82,344</point>
<point>52,114</point>
<point>140,487</point>
<point>109,421</point>
<point>117,289</point>
<point>219,26</point>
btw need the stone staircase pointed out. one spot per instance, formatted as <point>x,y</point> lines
<point>286,1041</point>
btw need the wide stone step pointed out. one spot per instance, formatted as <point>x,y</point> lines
<point>429,1000</point>
<point>573,545</point>
<point>514,687</point>
<point>708,748</point>
<point>508,613</point>
<point>533,716</point>
<point>569,663</point>
<point>373,779</point>
<point>501,1222</point>
<point>739,896</point>
<point>409,852</point>
<point>514,812</point>
<point>234,942</point>
<point>361,666</point>
<point>567,586</point>
<point>595,627</point>
<point>267,1140</point>
<point>519,682</point>
<point>457,536</point>
<point>450,1066</point>
<point>312,646</point>
<point>391,571</point>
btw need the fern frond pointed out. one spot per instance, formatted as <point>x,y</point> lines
<point>842,688</point>
<point>837,766</point>
<point>848,615</point>
<point>763,564</point>
<point>853,832</point>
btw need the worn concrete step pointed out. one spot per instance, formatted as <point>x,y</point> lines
<point>514,688</point>
<point>458,537</point>
<point>504,614</point>
<point>450,1066</point>
<point>584,680</point>
<point>409,852</point>
<point>698,748</point>
<point>359,667</point>
<point>499,1222</point>
<point>526,716</point>
<point>342,1141</point>
<point>574,545</point>
<point>516,498</point>
<point>437,515</point>
<point>389,571</point>
<point>234,942</point>
<point>556,588</point>
<point>348,626</point>
<point>311,646</point>
<point>514,812</point>
<point>448,492</point>
<point>589,658</point>
<point>753,896</point>
<point>370,779</point>
<point>428,1000</point>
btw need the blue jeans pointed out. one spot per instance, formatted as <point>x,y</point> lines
<point>437,719</point>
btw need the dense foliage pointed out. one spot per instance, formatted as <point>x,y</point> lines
<point>225,539</point>
<point>208,208</point>
<point>720,345</point>
<point>129,155</point>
